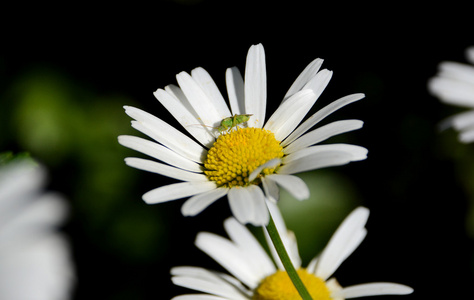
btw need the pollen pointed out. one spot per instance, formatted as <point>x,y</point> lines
<point>237,153</point>
<point>278,286</point>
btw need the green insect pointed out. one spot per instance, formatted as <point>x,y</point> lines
<point>228,123</point>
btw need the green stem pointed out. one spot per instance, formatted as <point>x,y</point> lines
<point>285,259</point>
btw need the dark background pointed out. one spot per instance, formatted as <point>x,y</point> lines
<point>66,72</point>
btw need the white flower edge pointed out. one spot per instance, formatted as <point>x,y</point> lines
<point>35,260</point>
<point>454,85</point>
<point>198,106</point>
<point>250,264</point>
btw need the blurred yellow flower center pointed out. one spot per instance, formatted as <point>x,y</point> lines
<point>236,154</point>
<point>278,286</point>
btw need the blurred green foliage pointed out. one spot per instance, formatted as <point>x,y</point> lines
<point>46,117</point>
<point>73,129</point>
<point>8,157</point>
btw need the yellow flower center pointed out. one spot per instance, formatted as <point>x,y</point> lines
<point>236,154</point>
<point>278,286</point>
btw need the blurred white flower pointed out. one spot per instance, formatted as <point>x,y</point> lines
<point>245,164</point>
<point>454,84</point>
<point>255,276</point>
<point>35,262</point>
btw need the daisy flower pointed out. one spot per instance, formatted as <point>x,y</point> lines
<point>254,275</point>
<point>34,258</point>
<point>454,85</point>
<point>249,160</point>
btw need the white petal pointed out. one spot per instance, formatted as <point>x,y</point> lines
<point>462,120</point>
<point>374,289</point>
<point>194,272</point>
<point>290,113</point>
<point>452,91</point>
<point>467,136</point>
<point>177,191</point>
<point>287,237</point>
<point>272,163</point>
<point>256,255</point>
<point>294,185</point>
<point>208,282</point>
<point>311,268</point>
<point>211,276</point>
<point>322,160</point>
<point>201,103</point>
<point>19,185</point>
<point>235,91</point>
<point>321,156</point>
<point>272,192</point>
<point>357,152</point>
<point>320,134</point>
<point>277,218</point>
<point>319,82</point>
<point>309,72</point>
<point>457,71</point>
<point>208,275</point>
<point>159,152</point>
<point>260,210</point>
<point>35,261</point>
<point>248,205</point>
<point>198,203</point>
<point>39,269</point>
<point>165,170</point>
<point>28,222</point>
<point>321,114</point>
<point>255,86</point>
<point>204,80</point>
<point>14,203</point>
<point>165,134</point>
<point>229,256</point>
<point>344,241</point>
<point>173,99</point>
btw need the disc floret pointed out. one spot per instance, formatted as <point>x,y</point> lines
<point>278,286</point>
<point>237,153</point>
